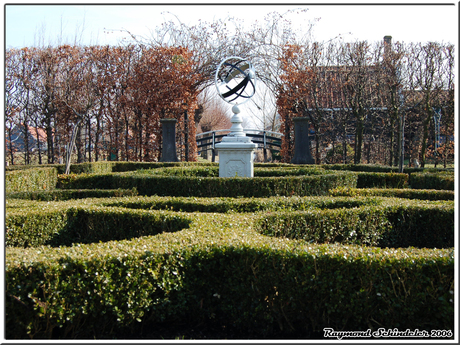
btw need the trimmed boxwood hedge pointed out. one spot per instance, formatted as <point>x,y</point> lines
<point>37,179</point>
<point>211,187</point>
<point>391,225</point>
<point>240,205</point>
<point>420,194</point>
<point>428,180</point>
<point>116,267</point>
<point>63,226</point>
<point>220,270</point>
<point>382,180</point>
<point>369,176</point>
<point>67,194</point>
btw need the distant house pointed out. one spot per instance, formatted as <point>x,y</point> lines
<point>34,134</point>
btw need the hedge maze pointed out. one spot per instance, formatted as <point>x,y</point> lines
<point>164,250</point>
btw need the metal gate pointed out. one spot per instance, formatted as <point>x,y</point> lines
<point>267,140</point>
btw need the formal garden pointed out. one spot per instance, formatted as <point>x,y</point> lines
<point>138,250</point>
<point>118,227</point>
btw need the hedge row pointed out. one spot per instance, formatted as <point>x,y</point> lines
<point>359,220</point>
<point>64,226</point>
<point>240,205</point>
<point>35,179</point>
<point>211,187</point>
<point>382,180</point>
<point>261,286</point>
<point>59,223</point>
<point>420,194</point>
<point>427,180</point>
<point>213,171</point>
<point>424,226</point>
<point>108,166</point>
<point>380,168</point>
<point>68,194</point>
<point>365,179</point>
<point>30,179</point>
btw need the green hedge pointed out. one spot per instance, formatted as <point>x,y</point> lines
<point>36,179</point>
<point>213,171</point>
<point>361,168</point>
<point>63,226</point>
<point>240,205</point>
<point>382,180</point>
<point>420,194</point>
<point>430,225</point>
<point>380,168</point>
<point>133,166</point>
<point>67,194</point>
<point>262,287</point>
<point>211,187</point>
<point>440,181</point>
<point>60,223</point>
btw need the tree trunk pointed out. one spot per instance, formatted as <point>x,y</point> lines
<point>424,140</point>
<point>391,144</point>
<point>358,140</point>
<point>38,146</point>
<point>71,146</point>
<point>49,140</point>
<point>344,145</point>
<point>78,145</point>
<point>11,146</point>
<point>89,140</point>
<point>26,143</point>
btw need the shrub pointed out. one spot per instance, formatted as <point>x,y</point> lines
<point>240,205</point>
<point>26,180</point>
<point>382,180</point>
<point>64,226</point>
<point>112,267</point>
<point>429,225</point>
<point>420,194</point>
<point>440,181</point>
<point>67,194</point>
<point>262,287</point>
<point>209,186</point>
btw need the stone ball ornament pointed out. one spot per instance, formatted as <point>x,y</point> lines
<point>235,80</point>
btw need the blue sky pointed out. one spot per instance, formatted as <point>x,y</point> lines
<point>85,23</point>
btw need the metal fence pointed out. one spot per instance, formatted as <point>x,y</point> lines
<point>266,140</point>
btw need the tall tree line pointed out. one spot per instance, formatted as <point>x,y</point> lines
<point>382,99</point>
<point>107,101</point>
<point>367,103</point>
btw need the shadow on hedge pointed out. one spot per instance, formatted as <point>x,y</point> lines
<point>261,292</point>
<point>103,225</point>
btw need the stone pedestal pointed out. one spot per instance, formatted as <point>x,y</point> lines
<point>302,154</point>
<point>236,151</point>
<point>168,152</point>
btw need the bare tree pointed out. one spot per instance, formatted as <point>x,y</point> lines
<point>426,66</point>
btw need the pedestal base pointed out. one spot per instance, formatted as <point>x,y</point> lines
<point>236,156</point>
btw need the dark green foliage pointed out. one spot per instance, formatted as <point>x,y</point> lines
<point>259,289</point>
<point>430,226</point>
<point>260,256</point>
<point>420,194</point>
<point>443,181</point>
<point>63,226</point>
<point>68,194</point>
<point>382,180</point>
<point>148,184</point>
<point>240,205</point>
<point>37,179</point>
<point>360,167</point>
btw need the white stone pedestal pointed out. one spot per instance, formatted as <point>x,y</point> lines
<point>236,151</point>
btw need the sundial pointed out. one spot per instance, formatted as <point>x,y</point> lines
<point>235,83</point>
<point>235,80</point>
